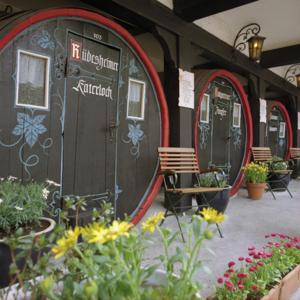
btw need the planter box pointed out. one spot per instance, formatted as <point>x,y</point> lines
<point>287,287</point>
<point>284,290</point>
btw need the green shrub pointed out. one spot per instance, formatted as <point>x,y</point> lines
<point>20,204</point>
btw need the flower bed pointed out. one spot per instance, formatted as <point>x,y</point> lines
<point>262,269</point>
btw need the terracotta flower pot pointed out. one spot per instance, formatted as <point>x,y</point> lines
<point>256,190</point>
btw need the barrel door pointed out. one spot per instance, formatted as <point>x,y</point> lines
<point>223,125</point>
<point>89,139</point>
<point>278,130</point>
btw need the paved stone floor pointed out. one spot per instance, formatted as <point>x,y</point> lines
<point>247,223</point>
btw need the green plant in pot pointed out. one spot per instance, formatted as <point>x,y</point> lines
<point>22,207</point>
<point>280,174</point>
<point>218,200</point>
<point>256,176</point>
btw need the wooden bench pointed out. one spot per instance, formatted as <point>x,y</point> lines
<point>264,155</point>
<point>175,161</point>
<point>295,153</point>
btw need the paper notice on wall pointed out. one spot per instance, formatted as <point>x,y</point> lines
<point>263,111</point>
<point>186,89</point>
<point>298,120</point>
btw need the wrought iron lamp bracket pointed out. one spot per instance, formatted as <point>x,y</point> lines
<point>292,72</point>
<point>244,34</point>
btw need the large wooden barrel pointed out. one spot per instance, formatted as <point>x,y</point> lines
<point>80,104</point>
<point>279,134</point>
<point>223,124</point>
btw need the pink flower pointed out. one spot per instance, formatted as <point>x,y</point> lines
<point>240,286</point>
<point>251,248</point>
<point>260,263</point>
<point>241,258</point>
<point>253,269</point>
<point>230,270</point>
<point>231,264</point>
<point>273,234</point>
<point>248,260</point>
<point>226,275</point>
<point>252,253</point>
<point>229,285</point>
<point>220,280</point>
<point>242,275</point>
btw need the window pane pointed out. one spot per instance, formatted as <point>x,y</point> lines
<point>204,109</point>
<point>32,80</point>
<point>136,99</point>
<point>282,130</point>
<point>236,115</point>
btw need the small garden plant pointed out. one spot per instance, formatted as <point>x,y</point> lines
<point>256,172</point>
<point>212,180</point>
<point>260,270</point>
<point>278,163</point>
<point>21,204</point>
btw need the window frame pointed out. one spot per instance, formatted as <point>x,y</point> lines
<point>239,115</point>
<point>143,99</point>
<point>46,81</point>
<point>206,120</point>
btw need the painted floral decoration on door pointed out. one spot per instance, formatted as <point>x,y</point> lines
<point>134,136</point>
<point>29,127</point>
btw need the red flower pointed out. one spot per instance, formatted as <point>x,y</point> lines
<point>241,258</point>
<point>242,275</point>
<point>226,275</point>
<point>260,263</point>
<point>229,285</point>
<point>231,264</point>
<point>273,234</point>
<point>254,287</point>
<point>248,260</point>
<point>240,286</point>
<point>230,270</point>
<point>251,248</point>
<point>252,253</point>
<point>253,269</point>
<point>220,280</point>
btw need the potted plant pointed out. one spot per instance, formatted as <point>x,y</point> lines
<point>256,176</point>
<point>21,215</point>
<point>106,260</point>
<point>217,200</point>
<point>253,277</point>
<point>280,175</point>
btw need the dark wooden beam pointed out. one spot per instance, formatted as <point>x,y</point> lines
<point>281,56</point>
<point>191,10</point>
<point>151,11</point>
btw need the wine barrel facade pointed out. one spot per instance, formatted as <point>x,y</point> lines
<point>223,124</point>
<point>279,135</point>
<point>82,105</point>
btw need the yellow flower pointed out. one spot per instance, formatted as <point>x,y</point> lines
<point>66,243</point>
<point>210,215</point>
<point>151,223</point>
<point>95,233</point>
<point>117,229</point>
<point>99,234</point>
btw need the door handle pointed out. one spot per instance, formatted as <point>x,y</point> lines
<point>112,127</point>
